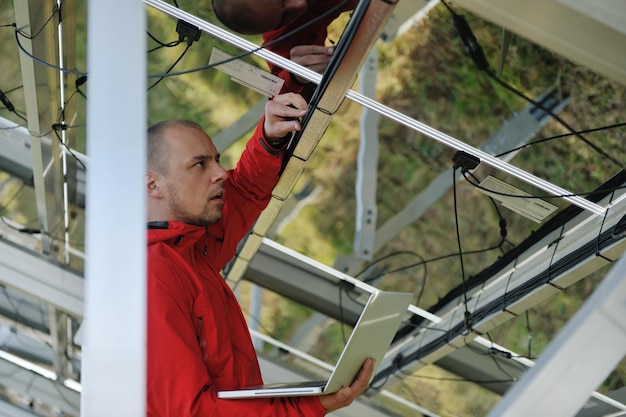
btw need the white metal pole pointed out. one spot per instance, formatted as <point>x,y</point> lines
<point>114,356</point>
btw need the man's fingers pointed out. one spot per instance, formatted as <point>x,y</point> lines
<point>304,50</point>
<point>288,105</point>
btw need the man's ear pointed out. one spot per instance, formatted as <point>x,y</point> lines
<point>153,181</point>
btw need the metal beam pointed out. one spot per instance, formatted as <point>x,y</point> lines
<point>367,165</point>
<point>357,40</point>
<point>33,274</point>
<point>578,359</point>
<point>569,253</point>
<point>16,159</point>
<point>44,389</point>
<point>243,125</point>
<point>114,345</point>
<point>41,90</point>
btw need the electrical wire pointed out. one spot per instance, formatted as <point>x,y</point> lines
<point>9,105</point>
<point>188,71</point>
<point>537,141</point>
<point>248,53</point>
<point>436,259</point>
<point>171,67</point>
<point>476,53</point>
<point>13,89</point>
<point>57,9</point>
<point>423,263</point>
<point>42,62</point>
<point>4,207</point>
<point>501,220</point>
<point>556,117</point>
<point>67,148</point>
<point>161,44</point>
<point>468,317</point>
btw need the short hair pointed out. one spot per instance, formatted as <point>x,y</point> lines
<point>157,148</point>
<point>234,14</point>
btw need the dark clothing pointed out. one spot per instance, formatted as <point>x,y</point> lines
<point>314,34</point>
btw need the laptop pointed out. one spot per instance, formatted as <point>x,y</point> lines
<point>371,337</point>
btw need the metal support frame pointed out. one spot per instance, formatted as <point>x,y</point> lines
<point>33,274</point>
<point>114,346</point>
<point>367,164</point>
<point>41,90</point>
<point>244,124</point>
<point>578,359</point>
<point>579,247</point>
<point>366,32</point>
<point>40,387</point>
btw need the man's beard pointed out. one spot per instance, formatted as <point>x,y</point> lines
<point>180,213</point>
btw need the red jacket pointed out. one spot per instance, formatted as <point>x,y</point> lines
<point>314,34</point>
<point>198,339</point>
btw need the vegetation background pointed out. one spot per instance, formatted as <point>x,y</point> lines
<point>425,74</point>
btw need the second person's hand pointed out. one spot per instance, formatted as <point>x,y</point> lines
<point>313,57</point>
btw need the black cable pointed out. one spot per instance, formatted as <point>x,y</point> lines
<point>468,316</point>
<point>161,44</point>
<point>423,263</point>
<point>30,230</point>
<point>436,259</point>
<point>9,106</point>
<point>501,219</point>
<point>6,205</point>
<point>493,351</point>
<point>57,9</point>
<point>42,62</point>
<point>171,67</point>
<point>191,70</point>
<point>248,53</point>
<point>556,117</point>
<point>14,89</point>
<point>56,128</point>
<point>80,81</point>
<point>476,53</point>
<point>537,141</point>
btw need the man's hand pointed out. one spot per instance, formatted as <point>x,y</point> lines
<point>346,395</point>
<point>282,115</point>
<point>314,57</point>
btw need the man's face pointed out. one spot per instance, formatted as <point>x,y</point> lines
<point>268,15</point>
<point>194,184</point>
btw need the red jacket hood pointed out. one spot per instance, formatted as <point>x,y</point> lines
<point>177,233</point>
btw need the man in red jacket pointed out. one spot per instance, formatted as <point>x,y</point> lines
<point>287,31</point>
<point>198,340</point>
